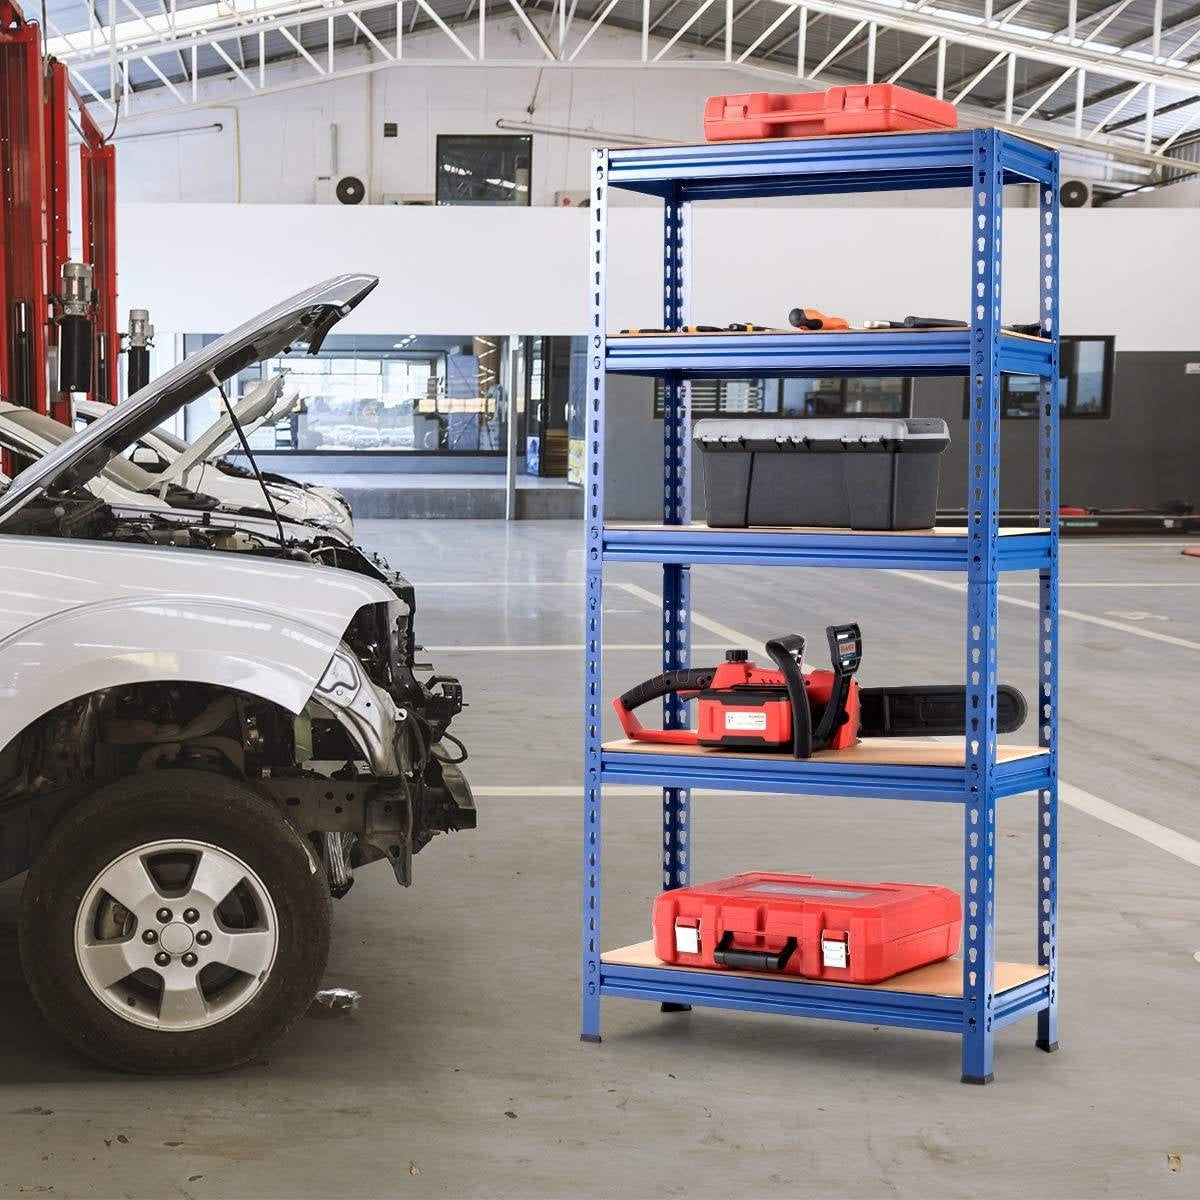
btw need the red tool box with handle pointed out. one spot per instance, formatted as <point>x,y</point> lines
<point>800,925</point>
<point>867,108</point>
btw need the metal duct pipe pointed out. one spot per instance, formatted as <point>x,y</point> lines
<point>598,136</point>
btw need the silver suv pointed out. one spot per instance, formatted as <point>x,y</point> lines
<point>205,728</point>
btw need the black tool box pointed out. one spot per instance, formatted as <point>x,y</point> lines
<point>855,472</point>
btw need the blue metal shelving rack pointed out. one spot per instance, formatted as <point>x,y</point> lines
<point>978,776</point>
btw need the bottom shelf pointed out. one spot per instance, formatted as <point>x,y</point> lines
<point>928,998</point>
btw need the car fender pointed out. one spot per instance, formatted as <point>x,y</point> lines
<point>160,638</point>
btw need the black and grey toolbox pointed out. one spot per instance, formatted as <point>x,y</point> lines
<point>845,472</point>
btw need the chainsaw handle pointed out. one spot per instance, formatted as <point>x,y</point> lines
<point>787,653</point>
<point>693,679</point>
<point>845,655</point>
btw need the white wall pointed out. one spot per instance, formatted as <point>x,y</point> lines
<point>272,149</point>
<point>204,267</point>
<point>284,137</point>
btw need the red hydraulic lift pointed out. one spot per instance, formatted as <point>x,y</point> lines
<point>98,198</point>
<point>35,114</point>
<point>24,285</point>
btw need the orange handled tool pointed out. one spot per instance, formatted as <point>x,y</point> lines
<point>811,318</point>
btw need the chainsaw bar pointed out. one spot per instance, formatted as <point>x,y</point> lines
<point>924,710</point>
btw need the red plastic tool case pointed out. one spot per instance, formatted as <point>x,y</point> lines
<point>869,108</point>
<point>799,925</point>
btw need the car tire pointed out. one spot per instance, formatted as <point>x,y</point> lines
<point>199,886</point>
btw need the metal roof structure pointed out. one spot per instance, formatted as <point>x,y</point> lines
<point>1116,80</point>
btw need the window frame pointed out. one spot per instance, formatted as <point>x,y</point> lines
<point>438,197</point>
<point>1067,411</point>
<point>260,370</point>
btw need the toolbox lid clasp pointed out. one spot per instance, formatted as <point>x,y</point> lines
<point>835,950</point>
<point>687,935</point>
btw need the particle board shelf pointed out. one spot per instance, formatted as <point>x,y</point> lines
<point>943,978</point>
<point>946,548</point>
<point>944,351</point>
<point>877,768</point>
<point>941,531</point>
<point>890,752</point>
<point>894,161</point>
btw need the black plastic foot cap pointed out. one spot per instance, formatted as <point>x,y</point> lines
<point>590,1037</point>
<point>1049,1047</point>
<point>669,1007</point>
<point>979,1079</point>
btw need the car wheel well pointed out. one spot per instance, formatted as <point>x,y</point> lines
<point>93,740</point>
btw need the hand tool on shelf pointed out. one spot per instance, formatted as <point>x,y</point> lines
<point>735,327</point>
<point>742,705</point>
<point>1033,329</point>
<point>682,329</point>
<point>812,318</point>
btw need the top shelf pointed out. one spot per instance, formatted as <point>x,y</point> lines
<point>882,162</point>
<point>878,352</point>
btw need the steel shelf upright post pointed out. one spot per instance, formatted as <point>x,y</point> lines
<point>594,602</point>
<point>1050,252</point>
<point>983,526</point>
<point>677,511</point>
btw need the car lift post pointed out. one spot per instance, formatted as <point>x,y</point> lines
<point>35,98</point>
<point>58,228</point>
<point>98,199</point>
<point>24,290</point>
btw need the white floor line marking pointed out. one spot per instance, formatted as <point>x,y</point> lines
<point>557,791</point>
<point>1068,613</point>
<point>1160,836</point>
<point>1163,542</point>
<point>722,631</point>
<point>478,583</point>
<point>1029,583</point>
<point>560,647</point>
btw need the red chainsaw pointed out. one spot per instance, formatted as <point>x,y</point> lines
<point>751,707</point>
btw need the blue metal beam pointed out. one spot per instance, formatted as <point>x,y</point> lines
<point>702,546</point>
<point>808,166</point>
<point>814,776</point>
<point>796,997</point>
<point>883,353</point>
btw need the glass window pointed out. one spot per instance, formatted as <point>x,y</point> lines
<point>796,397</point>
<point>486,169</point>
<point>1085,369</point>
<point>382,393</point>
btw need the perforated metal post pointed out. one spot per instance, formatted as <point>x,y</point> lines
<point>676,616</point>
<point>983,520</point>
<point>1048,447</point>
<point>594,563</point>
<point>677,510</point>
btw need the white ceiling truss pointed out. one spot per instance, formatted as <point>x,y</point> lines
<point>1114,80</point>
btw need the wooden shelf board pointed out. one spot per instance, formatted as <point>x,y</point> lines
<point>942,531</point>
<point>938,979</point>
<point>617,336</point>
<point>891,752</point>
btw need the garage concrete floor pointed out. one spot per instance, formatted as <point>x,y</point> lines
<point>461,1074</point>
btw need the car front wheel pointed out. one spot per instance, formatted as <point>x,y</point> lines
<point>174,922</point>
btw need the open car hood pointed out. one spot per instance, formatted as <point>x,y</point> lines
<point>253,408</point>
<point>305,318</point>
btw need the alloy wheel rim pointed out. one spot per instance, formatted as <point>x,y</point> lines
<point>176,935</point>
